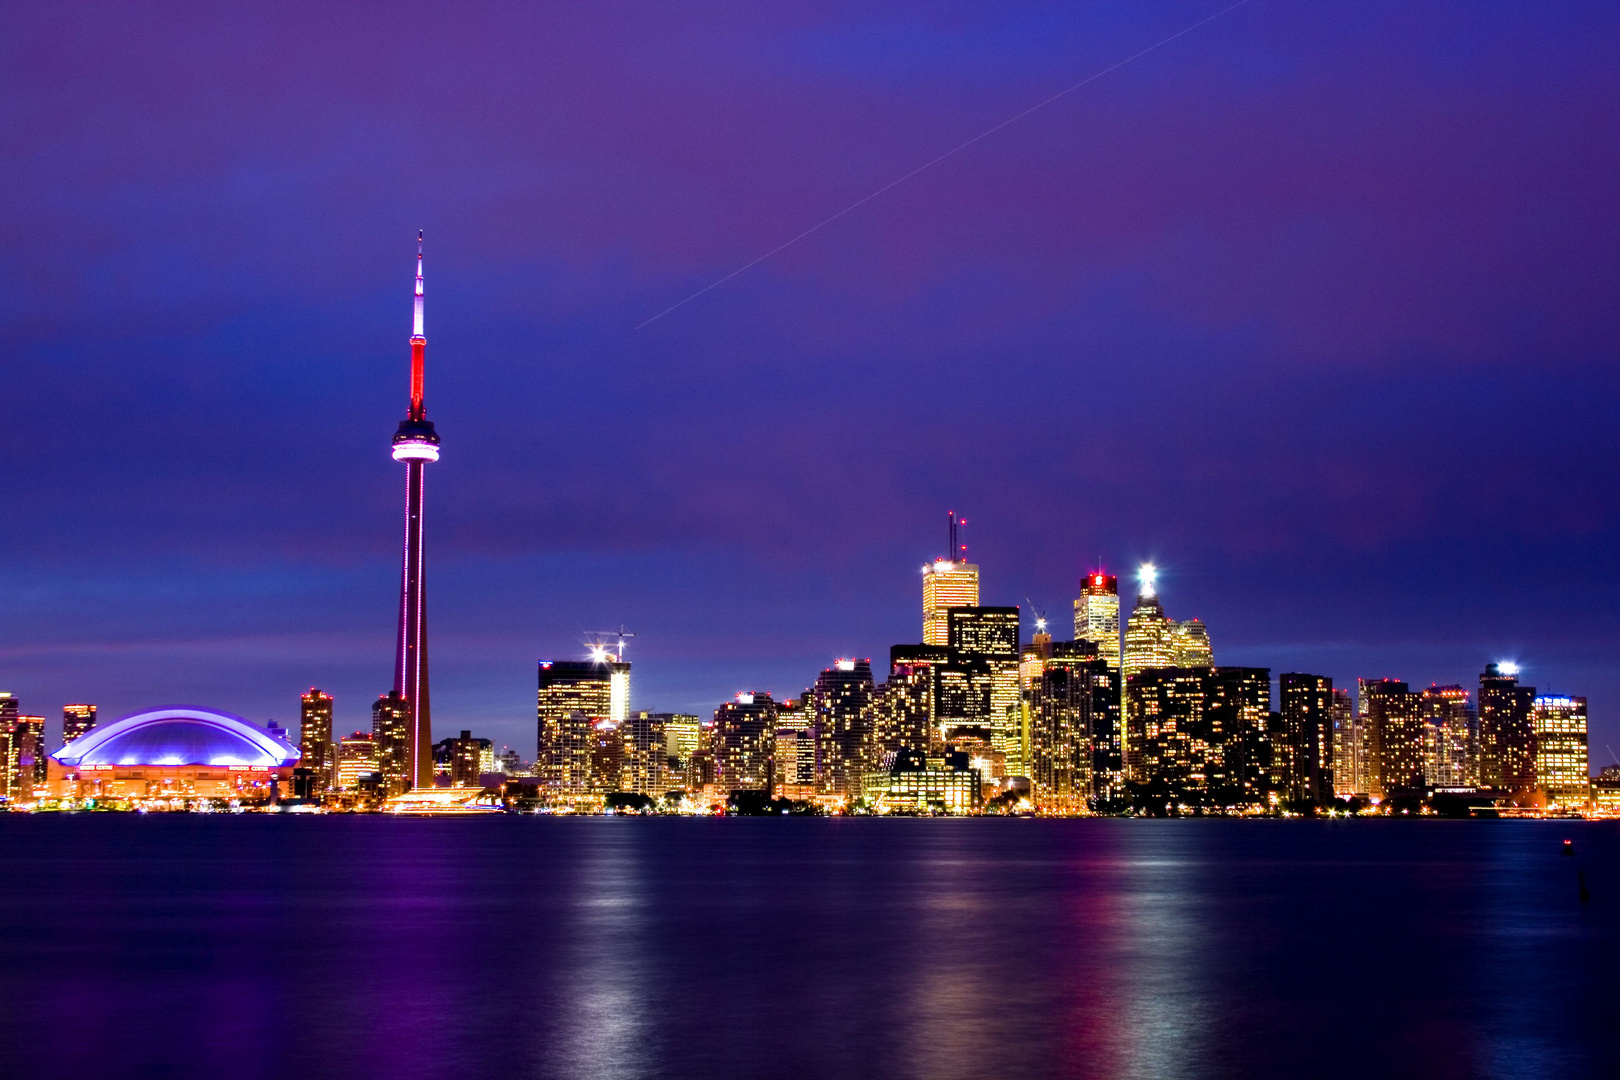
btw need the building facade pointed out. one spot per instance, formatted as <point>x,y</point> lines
<point>315,737</point>
<point>1096,614</point>
<point>1507,737</point>
<point>1302,755</point>
<point>1562,778</point>
<point>77,720</point>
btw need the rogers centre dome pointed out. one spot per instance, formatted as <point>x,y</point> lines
<point>173,752</point>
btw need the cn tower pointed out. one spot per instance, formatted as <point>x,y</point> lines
<point>416,444</point>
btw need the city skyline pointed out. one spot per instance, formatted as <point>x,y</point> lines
<point>1348,385</point>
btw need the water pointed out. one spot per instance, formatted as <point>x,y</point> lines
<point>307,947</point>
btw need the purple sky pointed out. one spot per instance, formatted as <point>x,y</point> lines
<point>1316,306</point>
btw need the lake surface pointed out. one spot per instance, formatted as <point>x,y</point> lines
<point>307,947</point>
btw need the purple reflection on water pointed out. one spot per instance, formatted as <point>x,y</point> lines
<point>184,946</point>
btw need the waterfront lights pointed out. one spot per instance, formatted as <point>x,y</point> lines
<point>1146,576</point>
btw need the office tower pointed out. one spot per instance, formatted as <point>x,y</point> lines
<point>391,727</point>
<point>1507,738</point>
<point>913,782</point>
<point>840,708</point>
<point>1561,762</point>
<point>415,443</point>
<point>26,759</point>
<point>1346,748</point>
<point>466,759</point>
<point>646,763</point>
<point>744,730</point>
<point>1167,746</point>
<point>1189,644</point>
<point>910,717</point>
<point>683,734</point>
<point>990,635</point>
<point>1096,614</point>
<point>9,711</point>
<point>1103,725</point>
<point>1148,642</point>
<point>1238,718</point>
<point>573,697</point>
<point>1060,738</point>
<point>948,583</point>
<point>356,757</point>
<point>315,737</point>
<point>1302,766</point>
<point>77,720</point>
<point>795,768</point>
<point>1394,737</point>
<point>1448,737</point>
<point>607,754</point>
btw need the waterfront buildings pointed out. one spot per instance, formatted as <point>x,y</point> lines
<point>1347,771</point>
<point>391,728</point>
<point>1450,738</point>
<point>356,759</point>
<point>988,637</point>
<point>173,755</point>
<point>840,708</point>
<point>415,443</point>
<point>1394,737</point>
<point>1507,747</point>
<point>1562,782</point>
<point>77,720</point>
<point>744,730</point>
<point>574,696</point>
<point>315,737</point>
<point>1302,767</point>
<point>915,783</point>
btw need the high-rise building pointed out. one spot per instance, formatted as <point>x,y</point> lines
<point>1449,738</point>
<point>908,718</point>
<point>391,727</point>
<point>683,735</point>
<point>9,711</point>
<point>948,583</point>
<point>607,743</point>
<point>744,730</point>
<point>840,707</point>
<point>1148,641</point>
<point>573,697</point>
<point>1302,758</point>
<point>990,635</point>
<point>77,720</point>
<point>26,758</point>
<point>1189,644</point>
<point>796,762</point>
<point>1060,737</point>
<point>646,763</point>
<point>315,737</point>
<point>356,758</point>
<point>1507,737</point>
<point>1562,779</point>
<point>415,443</point>
<point>1167,748</point>
<point>1393,737</point>
<point>1096,614</point>
<point>1346,748</point>
<point>466,758</point>
<point>1238,715</point>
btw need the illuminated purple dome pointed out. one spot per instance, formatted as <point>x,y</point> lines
<point>179,735</point>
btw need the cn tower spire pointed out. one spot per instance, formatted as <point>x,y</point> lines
<point>406,748</point>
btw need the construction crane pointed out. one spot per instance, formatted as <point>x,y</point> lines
<point>600,648</point>
<point>1040,615</point>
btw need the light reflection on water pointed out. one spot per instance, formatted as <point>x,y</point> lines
<point>316,947</point>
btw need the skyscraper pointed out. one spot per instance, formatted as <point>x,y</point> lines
<point>990,635</point>
<point>1449,737</point>
<point>1060,740</point>
<point>1238,715</point>
<point>573,697</point>
<point>1393,737</point>
<point>840,708</point>
<point>357,756</point>
<point>1096,614</point>
<point>9,710</point>
<point>1346,748</point>
<point>948,583</point>
<point>1302,758</point>
<point>77,720</point>
<point>315,736</point>
<point>1562,781</point>
<point>1189,644</point>
<point>1507,737</point>
<point>391,728</point>
<point>416,444</point>
<point>744,741</point>
<point>1148,641</point>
